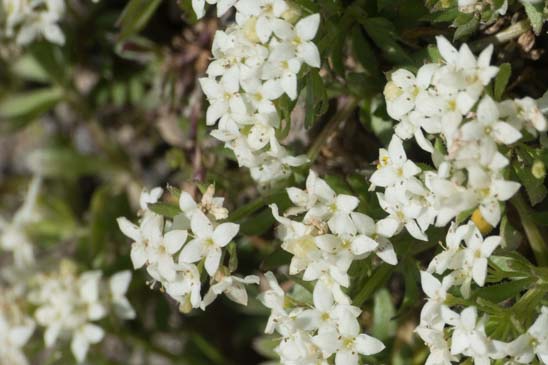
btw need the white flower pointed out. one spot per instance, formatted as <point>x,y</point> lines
<point>468,335</point>
<point>68,304</point>
<point>350,342</point>
<point>207,242</point>
<point>377,233</point>
<point>209,204</point>
<point>224,96</point>
<point>274,299</point>
<point>490,190</point>
<point>534,342</point>
<point>298,40</point>
<point>393,166</point>
<point>232,286</point>
<point>488,125</point>
<point>477,252</point>
<point>186,285</point>
<point>438,346</point>
<point>148,234</point>
<point>437,292</point>
<point>150,197</point>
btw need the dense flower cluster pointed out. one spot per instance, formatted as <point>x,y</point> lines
<point>26,20</point>
<point>470,131</point>
<point>448,101</point>
<point>324,243</point>
<point>255,61</point>
<point>68,304</point>
<point>176,252</point>
<point>450,335</point>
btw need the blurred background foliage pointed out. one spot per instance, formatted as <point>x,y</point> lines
<point>117,109</point>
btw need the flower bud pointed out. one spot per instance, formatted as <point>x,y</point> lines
<point>481,223</point>
<point>538,170</point>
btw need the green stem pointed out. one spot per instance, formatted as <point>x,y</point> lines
<point>255,205</point>
<point>342,115</point>
<point>379,278</point>
<point>531,230</point>
<point>513,31</point>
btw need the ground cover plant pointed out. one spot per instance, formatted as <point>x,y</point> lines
<point>294,182</point>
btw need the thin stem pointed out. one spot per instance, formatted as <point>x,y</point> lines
<point>531,230</point>
<point>513,31</point>
<point>341,116</point>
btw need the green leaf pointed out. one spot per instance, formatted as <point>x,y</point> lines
<point>167,210</point>
<point>536,191</point>
<point>535,14</point>
<point>316,99</point>
<point>467,28</point>
<point>384,35</point>
<point>503,76</point>
<point>371,284</point>
<point>64,162</point>
<point>364,51</point>
<point>511,237</point>
<point>28,68</point>
<point>24,107</point>
<point>503,291</point>
<point>383,312</point>
<point>135,16</point>
<point>51,59</point>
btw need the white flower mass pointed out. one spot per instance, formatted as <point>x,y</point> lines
<point>256,61</point>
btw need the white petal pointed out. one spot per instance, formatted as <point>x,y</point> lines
<point>309,53</point>
<point>224,233</point>
<point>367,345</point>
<point>192,252</point>
<point>129,229</point>
<point>201,225</point>
<point>307,27</point>
<point>505,133</point>
<point>186,203</point>
<point>362,244</point>
<point>174,240</point>
<point>213,259</point>
<point>119,283</point>
<point>430,285</point>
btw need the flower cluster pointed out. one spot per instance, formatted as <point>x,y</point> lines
<point>69,304</point>
<point>324,243</point>
<point>465,256</point>
<point>446,109</point>
<point>175,252</point>
<point>449,103</point>
<point>16,327</point>
<point>256,61</point>
<point>26,20</point>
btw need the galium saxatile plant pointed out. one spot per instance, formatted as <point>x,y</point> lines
<point>339,245</point>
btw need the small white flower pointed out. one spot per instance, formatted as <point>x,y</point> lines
<point>232,286</point>
<point>207,242</point>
